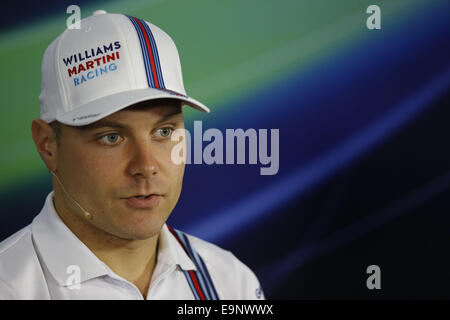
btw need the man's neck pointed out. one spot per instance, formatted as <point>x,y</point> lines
<point>133,260</point>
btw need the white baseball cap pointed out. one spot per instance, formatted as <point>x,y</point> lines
<point>111,62</point>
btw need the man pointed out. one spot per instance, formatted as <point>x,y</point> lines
<point>112,97</point>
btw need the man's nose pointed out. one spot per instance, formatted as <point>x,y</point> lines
<point>143,162</point>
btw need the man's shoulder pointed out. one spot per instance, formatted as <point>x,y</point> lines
<point>227,269</point>
<point>16,251</point>
<point>21,275</point>
<point>16,241</point>
<point>13,255</point>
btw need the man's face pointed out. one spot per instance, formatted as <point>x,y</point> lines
<point>105,165</point>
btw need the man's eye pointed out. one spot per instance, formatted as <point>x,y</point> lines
<point>112,138</point>
<point>165,132</point>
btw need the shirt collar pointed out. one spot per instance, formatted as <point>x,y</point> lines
<point>170,252</point>
<point>60,248</point>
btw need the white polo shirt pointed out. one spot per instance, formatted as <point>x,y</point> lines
<point>45,260</point>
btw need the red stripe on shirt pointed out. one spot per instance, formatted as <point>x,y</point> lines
<point>197,287</point>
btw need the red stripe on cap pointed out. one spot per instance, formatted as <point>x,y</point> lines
<point>197,287</point>
<point>150,52</point>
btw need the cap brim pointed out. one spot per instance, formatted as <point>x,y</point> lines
<point>103,107</point>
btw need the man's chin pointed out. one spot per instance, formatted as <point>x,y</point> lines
<point>137,235</point>
<point>141,231</point>
<point>138,224</point>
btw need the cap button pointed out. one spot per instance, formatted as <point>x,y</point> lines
<point>97,12</point>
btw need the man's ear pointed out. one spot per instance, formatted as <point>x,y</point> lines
<point>45,140</point>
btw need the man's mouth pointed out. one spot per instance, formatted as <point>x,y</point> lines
<point>144,201</point>
<point>143,197</point>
